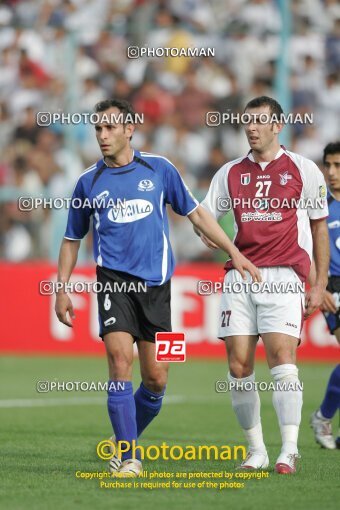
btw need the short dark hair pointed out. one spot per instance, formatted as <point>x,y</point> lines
<point>123,106</point>
<point>275,107</point>
<point>331,148</point>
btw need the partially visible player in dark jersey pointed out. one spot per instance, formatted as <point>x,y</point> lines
<point>126,194</point>
<point>321,419</point>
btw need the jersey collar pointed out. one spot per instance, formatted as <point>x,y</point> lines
<point>132,162</point>
<point>278,155</point>
<point>330,194</point>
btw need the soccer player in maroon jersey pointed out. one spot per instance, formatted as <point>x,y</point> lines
<point>278,199</point>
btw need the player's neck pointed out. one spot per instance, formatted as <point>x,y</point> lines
<point>121,159</point>
<point>267,155</point>
<point>335,194</point>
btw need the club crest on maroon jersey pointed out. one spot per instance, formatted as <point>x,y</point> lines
<point>245,179</point>
<point>284,178</point>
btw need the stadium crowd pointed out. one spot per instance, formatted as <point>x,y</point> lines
<point>65,55</point>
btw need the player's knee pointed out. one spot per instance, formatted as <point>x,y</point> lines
<point>240,369</point>
<point>155,382</point>
<point>119,362</point>
<point>281,357</point>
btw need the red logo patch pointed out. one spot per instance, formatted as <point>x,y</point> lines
<point>170,346</point>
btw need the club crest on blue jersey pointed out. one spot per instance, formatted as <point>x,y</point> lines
<point>245,179</point>
<point>146,185</point>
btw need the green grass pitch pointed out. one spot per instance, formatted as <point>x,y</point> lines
<point>43,446</point>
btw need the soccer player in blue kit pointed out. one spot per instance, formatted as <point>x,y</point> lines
<point>321,419</point>
<point>131,245</point>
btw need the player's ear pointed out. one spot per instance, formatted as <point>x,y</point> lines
<point>129,130</point>
<point>277,128</point>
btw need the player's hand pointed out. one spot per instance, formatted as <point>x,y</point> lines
<point>242,264</point>
<point>314,299</point>
<point>208,243</point>
<point>328,304</point>
<point>64,308</point>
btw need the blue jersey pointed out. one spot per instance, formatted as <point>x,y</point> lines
<point>130,224</point>
<point>333,222</point>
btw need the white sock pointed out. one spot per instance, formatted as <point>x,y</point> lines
<point>246,405</point>
<point>254,437</point>
<point>288,405</point>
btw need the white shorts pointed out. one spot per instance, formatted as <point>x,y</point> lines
<point>276,305</point>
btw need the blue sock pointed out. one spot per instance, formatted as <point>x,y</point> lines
<point>148,405</point>
<point>331,401</point>
<point>122,412</point>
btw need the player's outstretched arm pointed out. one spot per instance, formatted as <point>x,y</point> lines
<point>205,240</point>
<point>205,223</point>
<point>67,260</point>
<point>319,275</point>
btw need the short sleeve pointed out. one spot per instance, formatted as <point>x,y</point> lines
<point>79,214</point>
<point>217,200</point>
<point>177,194</point>
<point>315,192</point>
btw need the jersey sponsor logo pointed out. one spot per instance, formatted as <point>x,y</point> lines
<point>334,224</point>
<point>130,210</point>
<point>257,216</point>
<point>170,346</point>
<point>146,185</point>
<point>284,178</point>
<point>245,179</point>
<point>322,191</point>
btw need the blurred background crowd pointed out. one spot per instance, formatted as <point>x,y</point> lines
<point>66,55</point>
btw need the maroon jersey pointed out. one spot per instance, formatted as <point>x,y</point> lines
<point>272,204</point>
